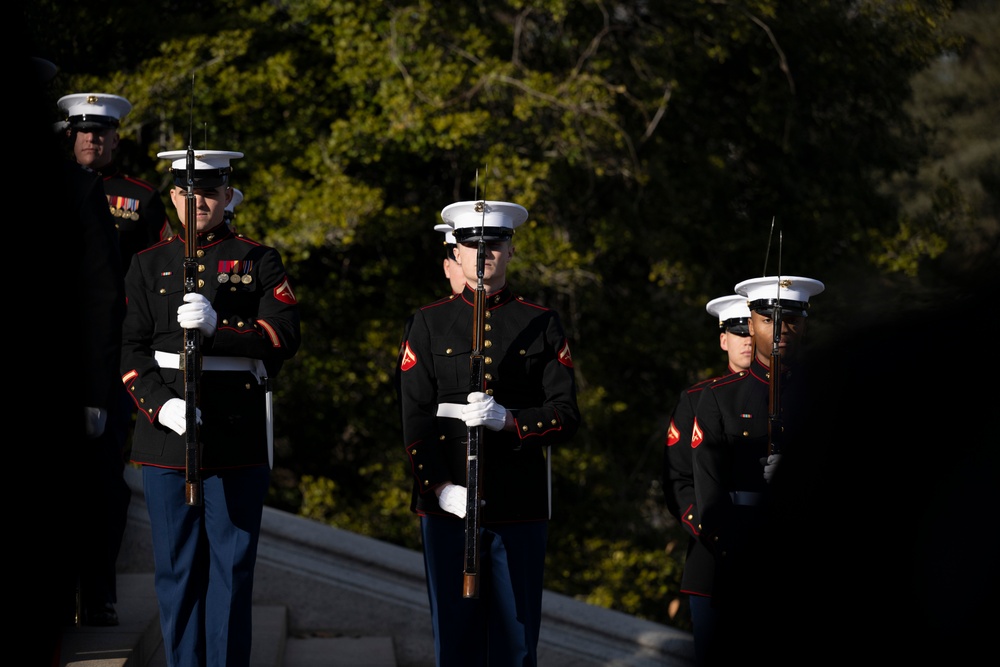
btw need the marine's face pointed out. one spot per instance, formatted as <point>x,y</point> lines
<point>793,327</point>
<point>209,205</point>
<point>738,348</point>
<point>497,255</point>
<point>95,146</point>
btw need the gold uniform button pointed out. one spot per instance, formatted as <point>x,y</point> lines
<point>163,291</point>
<point>522,352</point>
<point>488,314</point>
<point>489,376</point>
<point>448,351</point>
<point>540,424</point>
<point>441,437</point>
<point>201,267</point>
<point>488,343</point>
<point>240,324</point>
<point>201,283</point>
<point>488,327</point>
<point>553,422</point>
<point>524,428</point>
<point>420,467</point>
<point>201,253</point>
<point>488,360</point>
<point>746,434</point>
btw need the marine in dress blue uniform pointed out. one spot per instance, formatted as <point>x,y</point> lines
<point>91,122</point>
<point>137,206</point>
<point>205,555</point>
<point>530,397</point>
<point>733,316</point>
<point>729,441</point>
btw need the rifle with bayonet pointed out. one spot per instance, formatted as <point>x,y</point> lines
<point>774,426</point>
<point>474,456</point>
<point>191,355</point>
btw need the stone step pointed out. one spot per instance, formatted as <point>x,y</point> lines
<point>130,644</point>
<point>339,652</point>
<point>137,641</point>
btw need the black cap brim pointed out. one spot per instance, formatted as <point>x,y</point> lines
<point>476,234</point>
<point>205,179</point>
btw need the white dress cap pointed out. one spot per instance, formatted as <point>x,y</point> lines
<point>90,111</point>
<point>211,168</point>
<point>449,237</point>
<point>791,292</point>
<point>486,220</point>
<point>732,312</point>
<point>235,201</point>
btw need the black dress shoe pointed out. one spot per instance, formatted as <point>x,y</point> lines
<point>102,615</point>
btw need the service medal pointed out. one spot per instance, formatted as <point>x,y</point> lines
<point>247,279</point>
<point>223,277</point>
<point>235,277</point>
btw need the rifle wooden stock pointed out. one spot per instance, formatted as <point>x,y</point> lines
<point>474,458</point>
<point>192,352</point>
<point>774,387</point>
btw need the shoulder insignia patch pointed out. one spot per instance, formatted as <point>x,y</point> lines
<point>673,434</point>
<point>407,360</point>
<point>565,358</point>
<point>283,292</point>
<point>696,434</point>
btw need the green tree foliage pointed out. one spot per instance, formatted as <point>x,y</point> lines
<point>653,143</point>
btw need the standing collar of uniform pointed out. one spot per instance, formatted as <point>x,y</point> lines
<point>108,171</point>
<point>492,300</point>
<point>762,371</point>
<point>213,235</point>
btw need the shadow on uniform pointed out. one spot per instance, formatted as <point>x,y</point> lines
<point>881,538</point>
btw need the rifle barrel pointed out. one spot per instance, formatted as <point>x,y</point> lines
<point>473,469</point>
<point>191,354</point>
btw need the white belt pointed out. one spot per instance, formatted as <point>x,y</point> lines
<point>746,497</point>
<point>245,364</point>
<point>452,410</point>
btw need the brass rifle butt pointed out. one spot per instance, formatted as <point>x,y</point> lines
<point>192,493</point>
<point>470,586</point>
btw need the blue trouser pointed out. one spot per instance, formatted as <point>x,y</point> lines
<point>703,622</point>
<point>499,628</point>
<point>204,557</point>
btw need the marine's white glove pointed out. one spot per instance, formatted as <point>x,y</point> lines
<point>453,498</point>
<point>197,313</point>
<point>770,465</point>
<point>172,415</point>
<point>482,410</point>
<point>94,421</point>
